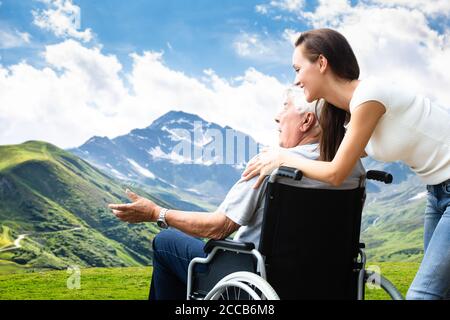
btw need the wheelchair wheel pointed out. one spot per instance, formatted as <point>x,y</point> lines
<point>242,285</point>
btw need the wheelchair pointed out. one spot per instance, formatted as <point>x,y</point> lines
<point>309,248</point>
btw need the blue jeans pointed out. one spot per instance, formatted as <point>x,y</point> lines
<point>173,250</point>
<point>432,281</point>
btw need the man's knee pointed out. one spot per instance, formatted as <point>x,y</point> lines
<point>162,239</point>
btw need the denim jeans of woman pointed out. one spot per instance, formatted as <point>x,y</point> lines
<point>432,281</point>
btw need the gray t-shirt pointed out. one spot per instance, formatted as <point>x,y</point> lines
<point>245,205</point>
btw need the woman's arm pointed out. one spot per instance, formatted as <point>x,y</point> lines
<point>362,124</point>
<point>361,127</point>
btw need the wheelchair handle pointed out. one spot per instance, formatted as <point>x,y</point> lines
<point>289,172</point>
<point>379,176</point>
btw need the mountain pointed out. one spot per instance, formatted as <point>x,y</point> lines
<point>53,204</point>
<point>53,213</point>
<point>392,224</point>
<point>179,151</point>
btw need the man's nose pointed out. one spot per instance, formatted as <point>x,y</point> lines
<point>277,116</point>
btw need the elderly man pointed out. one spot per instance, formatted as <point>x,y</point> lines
<point>242,209</point>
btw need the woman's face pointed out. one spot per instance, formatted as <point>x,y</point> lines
<point>307,74</point>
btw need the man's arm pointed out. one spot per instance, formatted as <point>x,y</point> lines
<point>237,209</point>
<point>214,225</point>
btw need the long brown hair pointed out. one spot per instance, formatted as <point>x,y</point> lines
<point>342,61</point>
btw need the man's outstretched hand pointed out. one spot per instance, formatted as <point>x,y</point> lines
<point>140,210</point>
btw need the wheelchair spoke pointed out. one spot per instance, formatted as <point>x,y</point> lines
<point>254,287</point>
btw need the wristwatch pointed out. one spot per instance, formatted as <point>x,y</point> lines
<point>161,222</point>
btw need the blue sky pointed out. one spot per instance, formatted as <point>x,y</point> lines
<point>80,68</point>
<point>195,34</point>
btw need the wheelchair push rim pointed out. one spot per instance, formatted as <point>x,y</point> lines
<point>242,282</point>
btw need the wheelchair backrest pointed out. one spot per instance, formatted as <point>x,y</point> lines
<point>310,240</point>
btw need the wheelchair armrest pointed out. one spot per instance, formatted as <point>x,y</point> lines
<point>228,244</point>
<point>289,172</point>
<point>379,176</point>
<point>286,172</point>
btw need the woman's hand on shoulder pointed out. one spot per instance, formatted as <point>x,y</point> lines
<point>263,164</point>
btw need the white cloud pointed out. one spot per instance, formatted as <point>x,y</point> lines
<point>95,75</point>
<point>76,94</point>
<point>288,5</point>
<point>291,36</point>
<point>294,6</point>
<point>393,39</point>
<point>248,45</point>
<point>80,93</point>
<point>263,9</point>
<point>394,42</point>
<point>433,8</point>
<point>263,47</point>
<point>13,38</point>
<point>63,18</point>
<point>329,13</point>
<point>226,102</point>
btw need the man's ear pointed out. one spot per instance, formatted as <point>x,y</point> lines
<point>307,122</point>
<point>323,63</point>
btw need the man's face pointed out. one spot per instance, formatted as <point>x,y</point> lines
<point>289,122</point>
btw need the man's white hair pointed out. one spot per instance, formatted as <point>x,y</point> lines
<point>297,97</point>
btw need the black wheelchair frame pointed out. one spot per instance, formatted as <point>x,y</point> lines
<point>312,253</point>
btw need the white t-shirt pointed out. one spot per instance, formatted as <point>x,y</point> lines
<point>245,205</point>
<point>413,129</point>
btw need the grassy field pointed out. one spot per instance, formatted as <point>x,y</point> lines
<point>133,283</point>
<point>95,284</point>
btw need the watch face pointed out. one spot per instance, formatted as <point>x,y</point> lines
<point>161,224</point>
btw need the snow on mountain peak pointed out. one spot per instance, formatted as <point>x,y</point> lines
<point>142,171</point>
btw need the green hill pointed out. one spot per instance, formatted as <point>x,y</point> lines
<point>58,203</point>
<point>392,222</point>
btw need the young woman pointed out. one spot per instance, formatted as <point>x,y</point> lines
<point>389,123</point>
